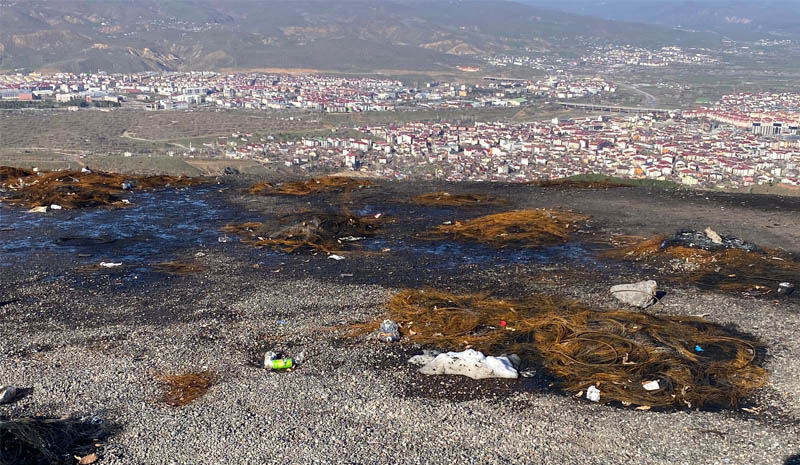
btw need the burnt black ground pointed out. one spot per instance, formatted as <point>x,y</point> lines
<point>87,340</point>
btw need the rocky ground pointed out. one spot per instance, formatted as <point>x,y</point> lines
<point>85,341</point>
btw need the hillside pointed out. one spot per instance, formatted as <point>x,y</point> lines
<point>347,35</point>
<point>738,19</point>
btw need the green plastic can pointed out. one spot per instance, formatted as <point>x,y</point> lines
<point>282,364</point>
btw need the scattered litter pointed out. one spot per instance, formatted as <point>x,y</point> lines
<point>7,394</point>
<point>697,348</point>
<point>525,228</point>
<point>223,239</point>
<point>200,254</point>
<point>335,257</point>
<point>593,394</point>
<point>55,207</point>
<point>389,331</point>
<point>38,210</point>
<point>185,388</point>
<point>346,275</point>
<point>110,264</point>
<point>377,215</point>
<point>446,199</point>
<point>584,347</point>
<point>470,363</point>
<point>641,294</point>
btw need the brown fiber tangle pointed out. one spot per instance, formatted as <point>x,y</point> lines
<point>523,228</point>
<point>696,363</point>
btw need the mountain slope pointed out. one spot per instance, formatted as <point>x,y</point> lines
<point>337,35</point>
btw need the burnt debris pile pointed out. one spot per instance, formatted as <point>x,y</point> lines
<point>317,231</point>
<point>39,441</point>
<point>78,189</point>
<point>711,260</point>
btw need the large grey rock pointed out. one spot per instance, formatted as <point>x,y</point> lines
<point>641,294</point>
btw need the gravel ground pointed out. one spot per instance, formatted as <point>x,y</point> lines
<point>90,342</point>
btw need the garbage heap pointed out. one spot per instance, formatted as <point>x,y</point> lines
<point>631,358</point>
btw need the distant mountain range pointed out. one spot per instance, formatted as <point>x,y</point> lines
<point>738,19</point>
<point>344,35</point>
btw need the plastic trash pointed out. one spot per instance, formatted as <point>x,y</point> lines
<point>275,363</point>
<point>127,185</point>
<point>335,257</point>
<point>110,264</point>
<point>55,207</point>
<point>470,363</point>
<point>389,331</point>
<point>697,348</point>
<point>38,210</point>
<point>223,239</point>
<point>785,288</point>
<point>86,169</point>
<point>593,394</point>
<point>651,386</point>
<point>7,394</point>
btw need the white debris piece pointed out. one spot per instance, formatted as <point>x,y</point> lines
<point>38,210</point>
<point>335,257</point>
<point>715,238</point>
<point>110,264</point>
<point>593,394</point>
<point>55,207</point>
<point>651,386</point>
<point>470,363</point>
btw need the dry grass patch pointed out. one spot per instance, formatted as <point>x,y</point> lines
<point>178,267</point>
<point>525,228</point>
<point>326,184</point>
<point>573,184</point>
<point>695,363</point>
<point>185,388</point>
